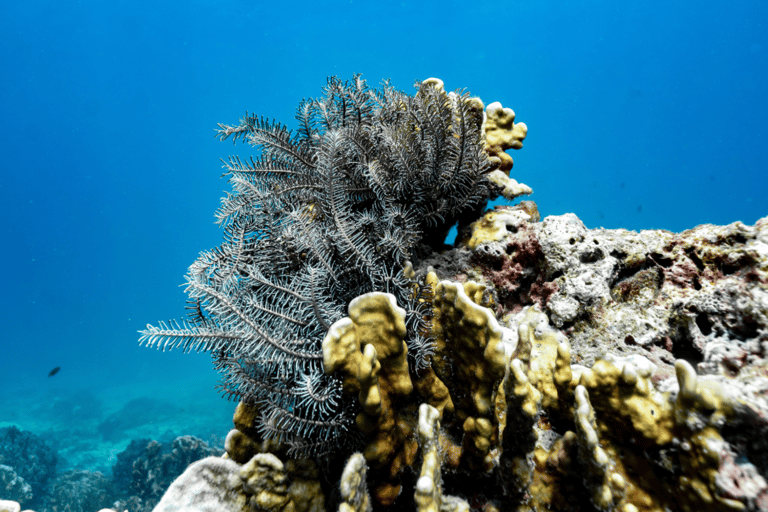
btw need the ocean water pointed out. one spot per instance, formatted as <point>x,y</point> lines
<point>640,115</point>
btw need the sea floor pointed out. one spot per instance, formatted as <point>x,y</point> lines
<point>90,425</point>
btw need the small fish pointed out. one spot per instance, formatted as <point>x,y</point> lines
<point>54,371</point>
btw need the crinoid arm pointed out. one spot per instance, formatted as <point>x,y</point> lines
<point>317,217</point>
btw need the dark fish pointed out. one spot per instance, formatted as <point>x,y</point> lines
<point>54,371</point>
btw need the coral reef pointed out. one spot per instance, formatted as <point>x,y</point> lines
<point>537,365</point>
<point>322,217</point>
<point>142,474</point>
<point>561,431</point>
<point>30,457</point>
<point>221,484</point>
<point>146,469</point>
<point>12,486</point>
<point>78,491</point>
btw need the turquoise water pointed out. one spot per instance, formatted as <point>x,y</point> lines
<point>639,116</point>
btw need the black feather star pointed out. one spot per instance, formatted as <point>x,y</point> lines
<point>320,217</point>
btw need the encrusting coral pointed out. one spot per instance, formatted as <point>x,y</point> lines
<point>507,373</point>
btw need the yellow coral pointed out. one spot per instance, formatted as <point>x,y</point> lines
<point>354,491</point>
<point>494,226</point>
<point>502,133</point>
<point>244,441</point>
<point>617,405</point>
<point>519,437</point>
<point>368,349</point>
<point>265,480</point>
<point>374,319</point>
<point>469,355</point>
<point>473,336</point>
<point>700,396</point>
<point>510,188</point>
<point>538,347</point>
<point>622,392</point>
<point>701,407</point>
<point>432,389</point>
<point>428,494</point>
<point>606,486</point>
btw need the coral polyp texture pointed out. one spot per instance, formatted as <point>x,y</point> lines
<point>535,365</point>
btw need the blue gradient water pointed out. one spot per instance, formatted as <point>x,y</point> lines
<point>639,116</point>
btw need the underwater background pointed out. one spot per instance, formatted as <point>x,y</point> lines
<point>641,116</point>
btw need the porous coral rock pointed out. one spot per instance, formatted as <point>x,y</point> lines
<point>701,294</point>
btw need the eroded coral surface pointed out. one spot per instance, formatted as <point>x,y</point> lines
<point>700,295</point>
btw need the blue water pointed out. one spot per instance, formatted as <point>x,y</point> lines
<point>640,115</point>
